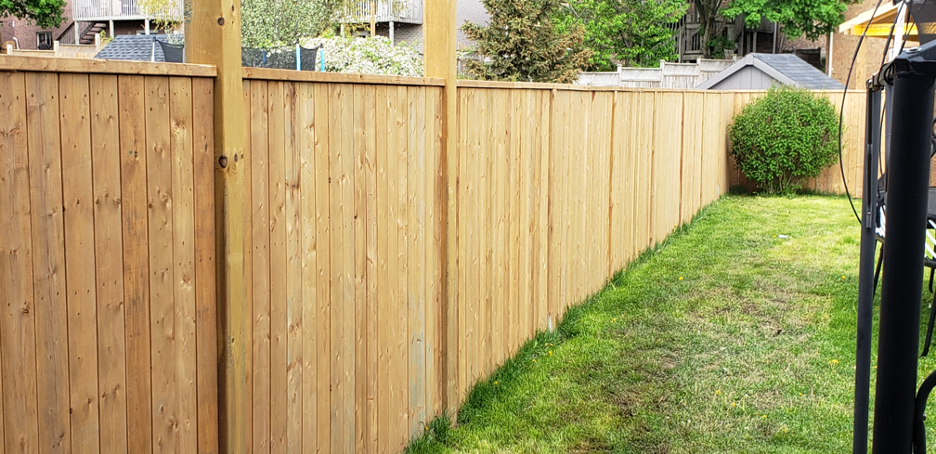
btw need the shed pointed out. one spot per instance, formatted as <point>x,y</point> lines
<point>135,48</point>
<point>761,71</point>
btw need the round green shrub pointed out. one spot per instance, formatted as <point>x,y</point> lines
<point>784,137</point>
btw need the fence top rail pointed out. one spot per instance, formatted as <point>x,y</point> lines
<point>464,83</point>
<point>94,66</point>
<point>567,87</point>
<point>287,75</point>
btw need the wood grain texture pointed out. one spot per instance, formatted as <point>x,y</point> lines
<point>108,239</point>
<point>279,359</point>
<point>49,273</point>
<point>160,201</point>
<point>20,419</point>
<point>323,262</point>
<point>183,250</point>
<point>260,256</point>
<point>206,331</point>
<point>133,157</point>
<point>80,284</point>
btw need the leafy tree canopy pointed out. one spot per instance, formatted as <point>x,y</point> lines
<point>44,13</point>
<point>521,43</point>
<point>812,18</point>
<point>273,23</point>
<point>631,32</point>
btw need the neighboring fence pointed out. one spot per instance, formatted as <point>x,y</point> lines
<point>60,50</point>
<point>107,277</point>
<point>685,76</point>
<point>853,127</point>
<point>107,325</point>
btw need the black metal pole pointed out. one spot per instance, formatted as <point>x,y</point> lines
<point>866,272</point>
<point>901,288</point>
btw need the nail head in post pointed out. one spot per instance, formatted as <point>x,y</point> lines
<point>220,21</point>
<point>223,161</point>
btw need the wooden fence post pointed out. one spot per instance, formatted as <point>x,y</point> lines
<point>214,37</point>
<point>439,39</point>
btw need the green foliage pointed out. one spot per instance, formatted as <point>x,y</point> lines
<point>785,136</point>
<point>521,43</point>
<point>267,24</point>
<point>164,15</point>
<point>375,55</point>
<point>629,32</point>
<point>44,13</point>
<point>813,18</point>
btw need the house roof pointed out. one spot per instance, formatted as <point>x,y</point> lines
<point>788,69</point>
<point>133,47</point>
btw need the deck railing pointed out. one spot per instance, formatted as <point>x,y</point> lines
<point>102,10</point>
<point>406,11</point>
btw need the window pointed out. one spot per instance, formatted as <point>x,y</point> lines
<point>44,40</point>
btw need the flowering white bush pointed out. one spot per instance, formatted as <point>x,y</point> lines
<point>368,56</point>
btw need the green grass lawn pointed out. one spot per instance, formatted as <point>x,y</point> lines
<point>735,335</point>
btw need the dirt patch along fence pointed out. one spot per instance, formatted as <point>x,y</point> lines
<point>109,260</point>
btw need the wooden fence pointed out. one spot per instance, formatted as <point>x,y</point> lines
<point>108,337</point>
<point>107,275</point>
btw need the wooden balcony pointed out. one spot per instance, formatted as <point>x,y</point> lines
<point>107,10</point>
<point>403,11</point>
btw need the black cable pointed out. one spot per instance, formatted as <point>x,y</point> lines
<point>842,110</point>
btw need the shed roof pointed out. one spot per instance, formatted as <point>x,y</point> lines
<point>788,69</point>
<point>133,47</point>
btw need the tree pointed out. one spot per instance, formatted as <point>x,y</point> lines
<point>521,43</point>
<point>165,15</point>
<point>812,18</point>
<point>45,13</point>
<point>632,32</point>
<point>273,23</point>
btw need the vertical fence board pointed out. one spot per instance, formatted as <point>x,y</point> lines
<point>105,132</point>
<point>434,198</point>
<point>205,273</point>
<point>260,256</point>
<point>384,293</point>
<point>370,273</point>
<point>279,359</point>
<point>20,417</point>
<point>323,260</point>
<point>400,155</point>
<point>341,162</point>
<point>359,217</point>
<point>294,282</point>
<point>49,273</point>
<point>416,258</point>
<point>183,251</point>
<point>305,110</point>
<point>248,264</point>
<point>78,214</point>
<point>133,156</point>
<point>160,198</point>
<point>464,255</point>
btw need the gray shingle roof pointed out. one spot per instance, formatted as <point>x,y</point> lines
<point>787,69</point>
<point>799,71</point>
<point>133,47</point>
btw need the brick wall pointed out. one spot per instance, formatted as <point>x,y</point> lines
<point>25,32</point>
<point>868,60</point>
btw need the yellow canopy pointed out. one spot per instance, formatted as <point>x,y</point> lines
<point>880,24</point>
